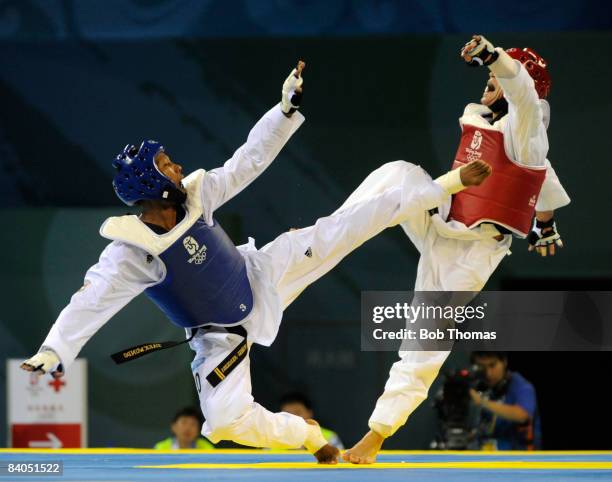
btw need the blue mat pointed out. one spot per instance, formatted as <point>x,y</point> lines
<point>258,465</point>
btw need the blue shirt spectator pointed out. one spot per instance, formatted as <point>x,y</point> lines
<point>509,418</point>
<point>505,434</point>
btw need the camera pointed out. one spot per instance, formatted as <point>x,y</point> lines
<point>457,419</point>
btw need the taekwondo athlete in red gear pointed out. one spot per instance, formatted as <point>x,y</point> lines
<point>180,257</point>
<point>462,242</point>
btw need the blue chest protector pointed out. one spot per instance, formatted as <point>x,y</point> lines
<point>206,279</point>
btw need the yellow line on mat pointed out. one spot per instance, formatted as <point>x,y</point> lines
<point>520,465</point>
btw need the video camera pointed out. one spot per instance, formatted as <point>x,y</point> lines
<point>457,426</point>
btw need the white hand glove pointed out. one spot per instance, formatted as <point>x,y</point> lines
<point>45,361</point>
<point>544,237</point>
<point>479,51</point>
<point>292,90</point>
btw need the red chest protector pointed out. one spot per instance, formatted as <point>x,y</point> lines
<point>508,197</point>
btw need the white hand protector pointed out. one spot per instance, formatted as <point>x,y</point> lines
<point>45,361</point>
<point>479,51</point>
<point>544,237</point>
<point>292,90</point>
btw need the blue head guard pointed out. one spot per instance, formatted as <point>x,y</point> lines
<point>138,178</point>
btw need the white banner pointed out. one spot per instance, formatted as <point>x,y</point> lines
<point>45,412</point>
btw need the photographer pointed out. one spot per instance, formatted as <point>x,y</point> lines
<point>509,417</point>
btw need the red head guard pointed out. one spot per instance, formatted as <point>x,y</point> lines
<point>536,66</point>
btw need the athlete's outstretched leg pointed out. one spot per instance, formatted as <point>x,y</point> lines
<point>395,193</point>
<point>304,255</point>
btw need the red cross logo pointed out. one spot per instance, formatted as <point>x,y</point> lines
<point>57,384</point>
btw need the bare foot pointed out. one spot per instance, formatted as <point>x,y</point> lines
<point>364,452</point>
<point>474,173</point>
<point>328,454</point>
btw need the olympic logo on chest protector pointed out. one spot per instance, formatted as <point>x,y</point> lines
<point>197,254</point>
<point>476,140</point>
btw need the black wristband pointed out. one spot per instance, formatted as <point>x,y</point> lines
<point>545,224</point>
<point>296,99</point>
<point>494,56</point>
<point>532,237</point>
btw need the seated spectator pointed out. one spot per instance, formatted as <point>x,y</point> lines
<point>298,404</point>
<point>186,427</point>
<point>509,419</point>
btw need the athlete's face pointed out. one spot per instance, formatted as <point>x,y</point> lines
<point>493,367</point>
<point>169,169</point>
<point>492,92</point>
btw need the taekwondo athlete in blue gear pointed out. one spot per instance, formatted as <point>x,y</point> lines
<point>217,289</point>
<point>228,297</point>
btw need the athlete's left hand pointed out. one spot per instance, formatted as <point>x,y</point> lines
<point>292,90</point>
<point>45,361</point>
<point>544,237</point>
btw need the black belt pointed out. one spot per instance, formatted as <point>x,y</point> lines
<point>143,349</point>
<point>501,229</point>
<point>231,361</point>
<point>216,376</point>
